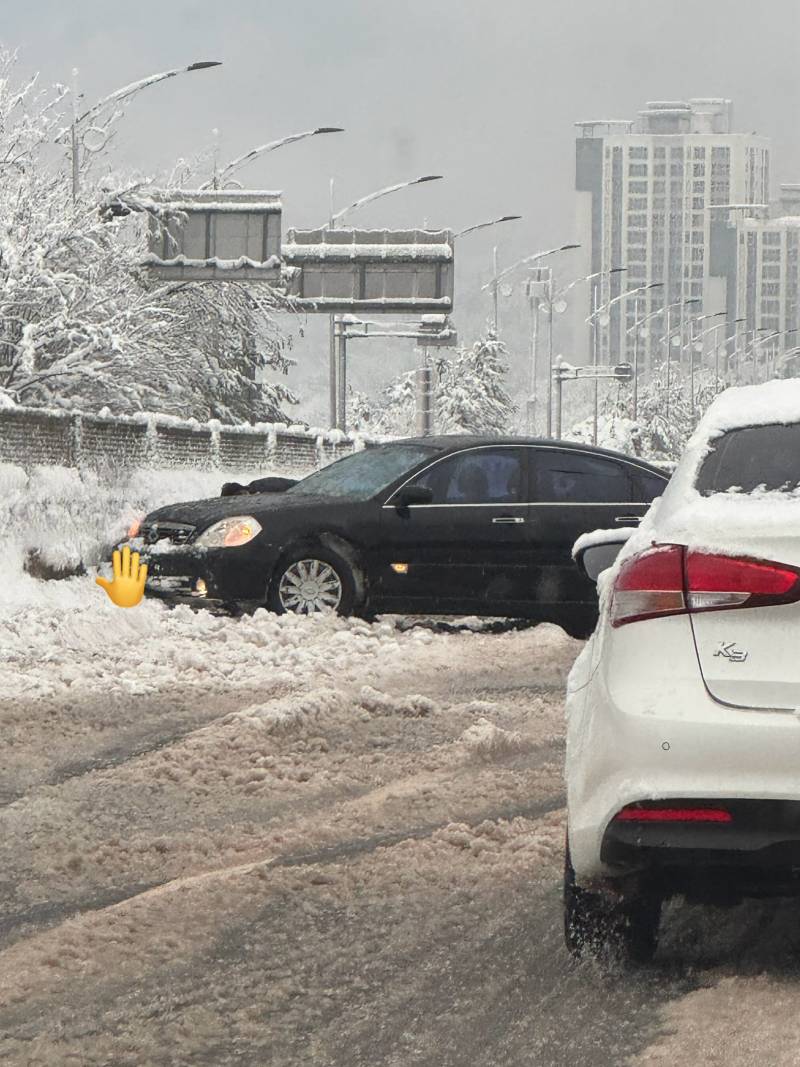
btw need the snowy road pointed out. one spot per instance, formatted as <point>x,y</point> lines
<point>289,841</point>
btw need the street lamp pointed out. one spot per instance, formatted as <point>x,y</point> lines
<point>336,216</point>
<point>555,302</point>
<point>494,283</point>
<point>116,97</point>
<point>236,164</point>
<point>694,340</point>
<point>484,225</point>
<point>601,314</point>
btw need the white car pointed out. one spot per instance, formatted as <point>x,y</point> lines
<point>683,743</point>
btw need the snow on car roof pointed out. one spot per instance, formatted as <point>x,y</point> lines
<point>777,401</point>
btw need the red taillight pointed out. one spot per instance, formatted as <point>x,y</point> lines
<point>649,585</point>
<point>729,582</point>
<point>634,814</point>
<point>669,580</point>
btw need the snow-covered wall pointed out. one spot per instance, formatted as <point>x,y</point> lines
<point>31,437</point>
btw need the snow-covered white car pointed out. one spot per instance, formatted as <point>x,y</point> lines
<point>683,746</point>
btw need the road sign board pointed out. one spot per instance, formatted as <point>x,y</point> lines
<point>347,270</point>
<point>215,234</point>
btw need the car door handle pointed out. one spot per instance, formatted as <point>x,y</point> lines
<point>507,519</point>
<point>629,520</point>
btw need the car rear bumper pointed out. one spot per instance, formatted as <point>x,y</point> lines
<point>641,731</point>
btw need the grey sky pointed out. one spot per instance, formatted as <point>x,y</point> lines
<point>484,93</point>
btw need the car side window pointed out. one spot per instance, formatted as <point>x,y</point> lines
<point>646,486</point>
<point>480,476</point>
<point>577,478</point>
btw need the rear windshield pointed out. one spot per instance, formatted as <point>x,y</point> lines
<point>362,475</point>
<point>753,459</point>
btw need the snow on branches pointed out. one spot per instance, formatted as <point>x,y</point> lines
<point>470,395</point>
<point>82,324</point>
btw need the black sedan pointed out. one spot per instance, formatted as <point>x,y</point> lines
<point>435,525</point>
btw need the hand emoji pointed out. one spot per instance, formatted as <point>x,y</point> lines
<point>127,589</point>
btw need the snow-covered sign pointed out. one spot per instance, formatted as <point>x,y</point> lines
<point>215,234</point>
<point>347,270</point>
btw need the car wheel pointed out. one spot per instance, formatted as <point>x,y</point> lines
<point>597,925</point>
<point>313,581</point>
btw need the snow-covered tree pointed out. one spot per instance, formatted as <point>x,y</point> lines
<point>665,417</point>
<point>469,390</point>
<point>471,396</point>
<point>82,324</point>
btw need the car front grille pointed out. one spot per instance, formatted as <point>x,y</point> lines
<point>178,533</point>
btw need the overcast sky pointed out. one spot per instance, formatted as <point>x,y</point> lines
<point>484,93</point>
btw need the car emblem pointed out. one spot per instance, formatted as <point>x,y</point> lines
<point>729,651</point>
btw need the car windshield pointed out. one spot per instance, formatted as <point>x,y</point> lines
<point>361,476</point>
<point>753,459</point>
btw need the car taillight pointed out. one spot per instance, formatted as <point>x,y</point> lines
<point>669,580</point>
<point>649,585</point>
<point>634,813</point>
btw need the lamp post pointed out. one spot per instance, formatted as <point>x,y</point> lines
<point>668,336</point>
<point>555,303</point>
<point>498,275</point>
<point>693,341</point>
<point>337,362</point>
<point>230,169</point>
<point>117,97</point>
<point>600,313</point>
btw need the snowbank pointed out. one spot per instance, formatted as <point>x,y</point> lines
<point>68,519</point>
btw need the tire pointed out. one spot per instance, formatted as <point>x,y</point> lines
<point>300,573</point>
<point>599,926</point>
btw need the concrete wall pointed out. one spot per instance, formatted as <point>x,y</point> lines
<point>31,437</point>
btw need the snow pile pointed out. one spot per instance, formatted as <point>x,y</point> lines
<point>69,518</point>
<point>412,706</point>
<point>487,741</point>
<point>57,634</point>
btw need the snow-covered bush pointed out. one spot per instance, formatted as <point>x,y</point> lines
<point>665,417</point>
<point>82,324</point>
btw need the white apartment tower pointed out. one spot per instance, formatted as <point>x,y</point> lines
<point>649,194</point>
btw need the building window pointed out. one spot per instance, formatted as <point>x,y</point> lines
<point>637,221</point>
<point>637,170</point>
<point>697,253</point>
<point>659,152</point>
<point>770,272</point>
<point>699,152</point>
<point>677,152</point>
<point>676,169</point>
<point>637,188</point>
<point>770,237</point>
<point>698,187</point>
<point>698,203</point>
<point>659,187</point>
<point>771,289</point>
<point>637,203</point>
<point>637,152</point>
<point>699,170</point>
<point>770,254</point>
<point>698,221</point>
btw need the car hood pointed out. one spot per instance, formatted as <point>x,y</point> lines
<point>202,513</point>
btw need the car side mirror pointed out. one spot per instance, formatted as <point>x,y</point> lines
<point>594,552</point>
<point>413,494</point>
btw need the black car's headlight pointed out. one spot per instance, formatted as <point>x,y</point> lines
<point>229,533</point>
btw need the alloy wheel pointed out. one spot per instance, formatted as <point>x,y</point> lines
<point>308,586</point>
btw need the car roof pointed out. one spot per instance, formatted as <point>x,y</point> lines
<point>455,441</point>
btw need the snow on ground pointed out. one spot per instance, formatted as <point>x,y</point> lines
<point>320,841</point>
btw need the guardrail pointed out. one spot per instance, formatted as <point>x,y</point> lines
<point>35,437</point>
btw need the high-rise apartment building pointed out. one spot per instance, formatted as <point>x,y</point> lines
<point>768,278</point>
<point>650,194</point>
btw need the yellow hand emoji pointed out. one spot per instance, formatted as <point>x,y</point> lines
<point>127,589</point>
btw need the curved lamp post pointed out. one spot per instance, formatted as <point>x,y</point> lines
<point>116,97</point>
